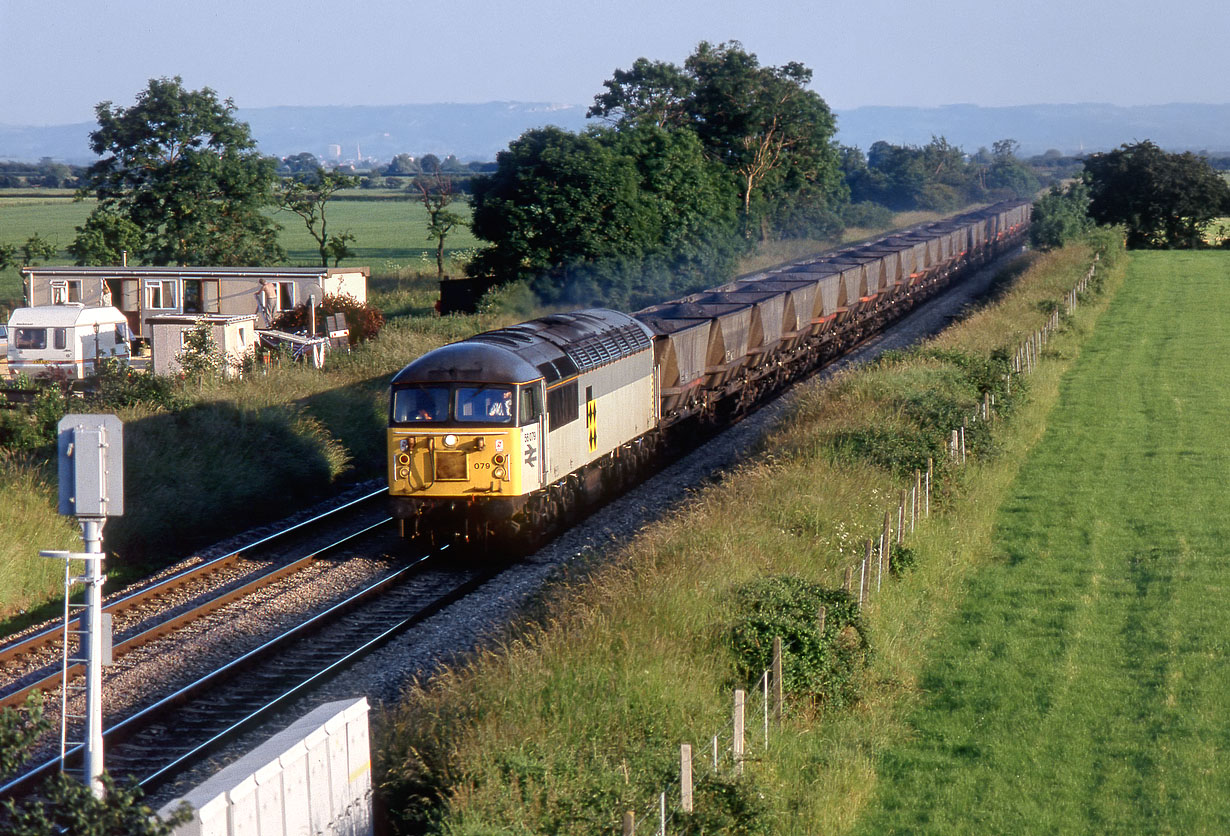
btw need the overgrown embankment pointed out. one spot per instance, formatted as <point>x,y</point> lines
<point>579,716</point>
<point>204,461</point>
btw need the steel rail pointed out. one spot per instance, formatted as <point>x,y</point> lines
<point>52,635</point>
<point>196,613</point>
<point>26,782</point>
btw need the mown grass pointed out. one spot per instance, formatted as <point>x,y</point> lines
<point>578,716</point>
<point>1079,687</point>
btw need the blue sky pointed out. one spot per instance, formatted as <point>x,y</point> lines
<point>60,58</point>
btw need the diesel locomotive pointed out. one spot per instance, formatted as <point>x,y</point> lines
<point>508,432</point>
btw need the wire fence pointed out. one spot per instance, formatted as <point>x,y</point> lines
<point>736,746</point>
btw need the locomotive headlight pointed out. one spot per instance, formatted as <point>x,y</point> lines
<point>403,458</point>
<point>450,440</point>
<point>403,473</point>
<point>498,473</point>
<point>498,458</point>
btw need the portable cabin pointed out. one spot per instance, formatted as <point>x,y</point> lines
<point>71,338</point>
<point>145,292</point>
<point>235,337</point>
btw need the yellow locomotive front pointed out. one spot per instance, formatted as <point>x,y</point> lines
<point>464,440</point>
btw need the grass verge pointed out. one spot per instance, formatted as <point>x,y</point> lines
<point>1079,686</point>
<point>578,715</point>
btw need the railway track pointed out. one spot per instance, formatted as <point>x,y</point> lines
<point>160,739</point>
<point>34,662</point>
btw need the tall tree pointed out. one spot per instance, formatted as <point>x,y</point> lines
<point>308,195</point>
<point>1164,200</point>
<point>184,170</point>
<point>761,123</point>
<point>436,193</point>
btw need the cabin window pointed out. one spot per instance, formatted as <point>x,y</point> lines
<point>192,296</point>
<point>286,295</point>
<point>30,338</point>
<point>61,338</point>
<point>562,406</point>
<point>64,292</point>
<point>160,294</point>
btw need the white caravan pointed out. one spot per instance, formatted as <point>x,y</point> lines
<point>67,337</point>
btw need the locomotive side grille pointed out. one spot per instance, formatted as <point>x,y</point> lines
<point>450,466</point>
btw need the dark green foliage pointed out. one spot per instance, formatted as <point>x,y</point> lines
<point>19,728</point>
<point>818,667</point>
<point>928,402</point>
<point>761,124</point>
<point>937,176</point>
<point>868,215</point>
<point>104,238</point>
<point>69,808</point>
<point>605,217</point>
<point>33,428</point>
<point>362,319</point>
<point>900,450</point>
<point>184,171</point>
<point>36,249</point>
<point>1164,200</point>
<point>117,385</point>
<point>901,559</point>
<point>1060,216</point>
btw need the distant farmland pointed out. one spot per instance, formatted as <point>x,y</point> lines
<point>391,235</point>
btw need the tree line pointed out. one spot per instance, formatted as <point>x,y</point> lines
<point>691,166</point>
<point>684,170</point>
<point>1160,200</point>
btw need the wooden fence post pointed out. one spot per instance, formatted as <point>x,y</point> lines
<point>927,494</point>
<point>629,823</point>
<point>737,748</point>
<point>862,575</point>
<point>685,777</point>
<point>821,615</point>
<point>849,579</point>
<point>777,678</point>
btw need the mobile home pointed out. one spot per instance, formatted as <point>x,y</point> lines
<point>145,292</point>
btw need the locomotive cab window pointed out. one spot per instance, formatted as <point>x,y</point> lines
<point>486,404</point>
<point>530,405</point>
<point>417,404</point>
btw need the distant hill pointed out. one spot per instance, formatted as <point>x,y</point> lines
<point>478,131</point>
<point>1070,128</point>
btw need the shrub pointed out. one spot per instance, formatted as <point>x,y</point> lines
<point>119,385</point>
<point>363,320</point>
<point>901,559</point>
<point>820,667</point>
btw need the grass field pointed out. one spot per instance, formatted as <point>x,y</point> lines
<point>1081,686</point>
<point>391,235</point>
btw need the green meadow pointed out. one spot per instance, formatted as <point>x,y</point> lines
<point>390,234</point>
<point>1080,685</point>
